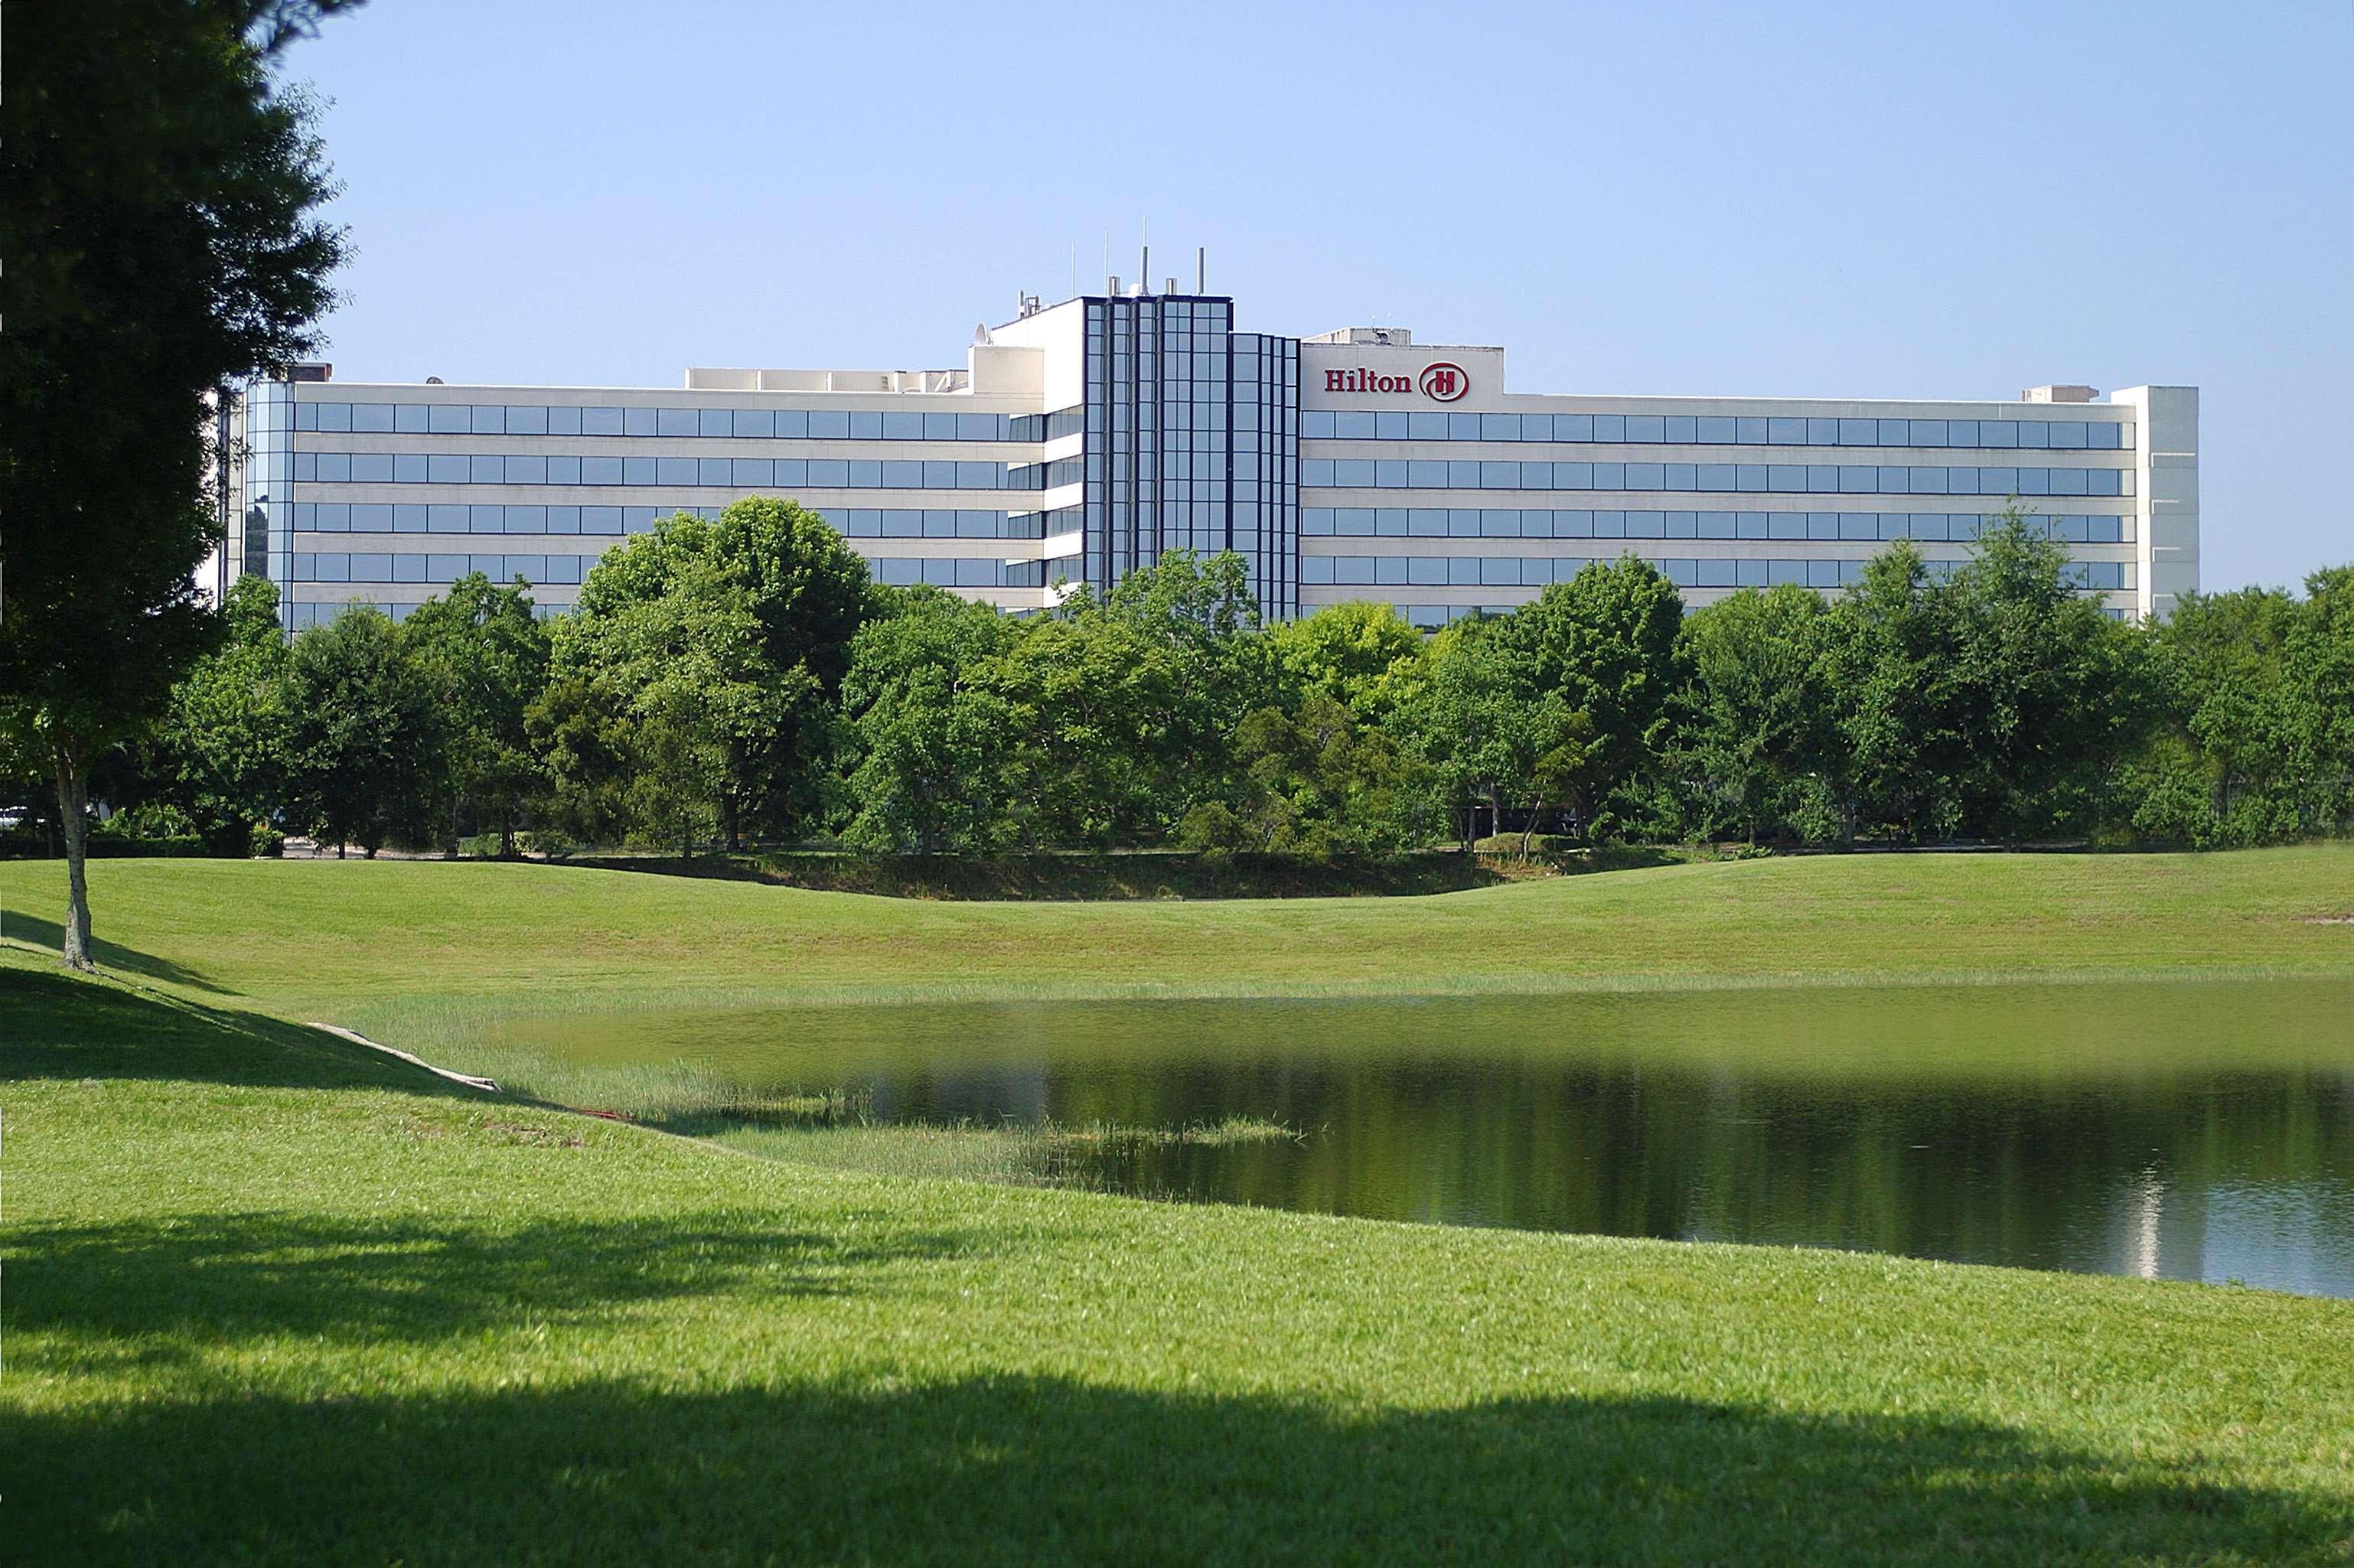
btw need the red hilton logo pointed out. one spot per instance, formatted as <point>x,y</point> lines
<point>1444,382</point>
<point>1441,383</point>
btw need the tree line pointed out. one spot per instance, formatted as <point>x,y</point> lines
<point>741,679</point>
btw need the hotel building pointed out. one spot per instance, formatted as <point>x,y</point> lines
<point>1084,439</point>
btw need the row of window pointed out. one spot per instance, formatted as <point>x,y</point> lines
<point>877,425</point>
<point>1537,571</point>
<point>1432,616</point>
<point>962,571</point>
<point>1490,522</point>
<point>737,473</point>
<point>1204,311</point>
<point>1795,478</point>
<point>737,424</point>
<point>381,566</point>
<point>302,616</point>
<point>1716,431</point>
<point>1200,376</point>
<point>881,523</point>
<point>1046,475</point>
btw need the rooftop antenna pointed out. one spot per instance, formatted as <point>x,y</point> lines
<point>1201,269</point>
<point>1144,256</point>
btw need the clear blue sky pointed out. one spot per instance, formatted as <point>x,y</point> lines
<point>1881,200</point>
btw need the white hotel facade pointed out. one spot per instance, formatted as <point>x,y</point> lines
<point>1084,439</point>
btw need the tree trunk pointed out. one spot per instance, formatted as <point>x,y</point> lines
<point>1529,829</point>
<point>73,801</point>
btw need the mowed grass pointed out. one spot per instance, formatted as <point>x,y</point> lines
<point>313,937</point>
<point>275,1298</point>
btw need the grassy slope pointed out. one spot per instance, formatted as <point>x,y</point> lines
<point>327,935</point>
<point>272,1298</point>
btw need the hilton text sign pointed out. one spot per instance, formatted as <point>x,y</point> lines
<point>1440,382</point>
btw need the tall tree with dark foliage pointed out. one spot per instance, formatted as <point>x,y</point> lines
<point>157,215</point>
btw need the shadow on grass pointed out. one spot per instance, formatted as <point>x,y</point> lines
<point>49,937</point>
<point>68,1026</point>
<point>220,1280</point>
<point>1047,1469</point>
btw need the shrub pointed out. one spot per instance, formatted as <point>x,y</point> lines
<point>151,820</point>
<point>548,842</point>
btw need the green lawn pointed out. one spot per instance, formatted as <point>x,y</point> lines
<point>271,1297</point>
<point>311,938</point>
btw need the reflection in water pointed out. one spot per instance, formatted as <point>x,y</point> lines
<point>2193,1131</point>
<point>2148,1199</point>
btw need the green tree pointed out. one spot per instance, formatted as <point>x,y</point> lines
<point>2250,750</point>
<point>581,732</point>
<point>1090,702</point>
<point>488,651</point>
<point>158,224</point>
<point>1891,659</point>
<point>2321,663</point>
<point>1197,614</point>
<point>1754,736</point>
<point>223,753</point>
<point>726,641</point>
<point>368,745</point>
<point>2047,693</point>
<point>1125,710</point>
<point>1484,730</point>
<point>1315,783</point>
<point>1362,654</point>
<point>930,735</point>
<point>1605,643</point>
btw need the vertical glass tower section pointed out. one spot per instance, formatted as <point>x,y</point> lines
<point>1193,441</point>
<point>261,537</point>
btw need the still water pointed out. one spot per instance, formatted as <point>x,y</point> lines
<point>2177,1131</point>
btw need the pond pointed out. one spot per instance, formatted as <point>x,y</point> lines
<point>2191,1130</point>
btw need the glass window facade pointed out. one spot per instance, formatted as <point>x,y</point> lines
<point>2109,434</point>
<point>443,568</point>
<point>1725,572</point>
<point>1190,441</point>
<point>422,517</point>
<point>603,469</point>
<point>1547,522</point>
<point>669,421</point>
<point>1759,478</point>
